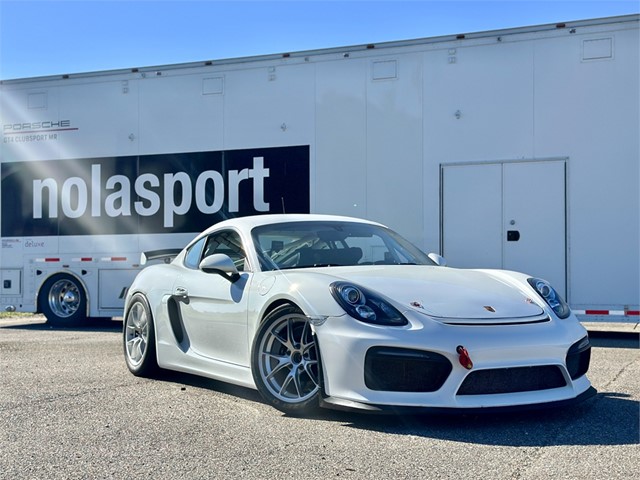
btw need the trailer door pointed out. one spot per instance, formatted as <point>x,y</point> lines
<point>509,216</point>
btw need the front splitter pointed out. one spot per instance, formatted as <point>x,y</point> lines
<point>348,405</point>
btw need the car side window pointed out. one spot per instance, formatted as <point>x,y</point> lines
<point>192,258</point>
<point>227,242</point>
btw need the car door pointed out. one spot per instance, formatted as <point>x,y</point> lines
<point>213,308</point>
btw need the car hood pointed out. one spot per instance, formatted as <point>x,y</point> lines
<point>446,292</point>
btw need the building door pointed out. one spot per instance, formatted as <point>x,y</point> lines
<point>509,216</point>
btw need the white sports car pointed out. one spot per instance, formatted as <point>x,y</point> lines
<point>333,311</point>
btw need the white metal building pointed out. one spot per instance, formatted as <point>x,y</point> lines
<point>515,149</point>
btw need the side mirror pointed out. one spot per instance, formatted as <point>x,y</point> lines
<point>220,264</point>
<point>439,260</point>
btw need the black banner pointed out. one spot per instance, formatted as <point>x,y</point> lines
<point>181,192</point>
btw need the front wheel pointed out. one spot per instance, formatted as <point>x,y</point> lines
<point>63,301</point>
<point>285,361</point>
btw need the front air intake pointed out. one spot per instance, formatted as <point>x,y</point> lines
<point>405,370</point>
<point>511,380</point>
<point>578,358</point>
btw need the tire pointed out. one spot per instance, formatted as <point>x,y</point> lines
<point>285,362</point>
<point>63,301</point>
<point>138,338</point>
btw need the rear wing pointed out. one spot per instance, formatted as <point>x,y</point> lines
<point>166,255</point>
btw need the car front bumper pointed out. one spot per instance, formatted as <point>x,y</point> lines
<point>514,365</point>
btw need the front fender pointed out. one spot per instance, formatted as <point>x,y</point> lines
<point>308,290</point>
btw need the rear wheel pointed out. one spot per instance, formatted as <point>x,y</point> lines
<point>138,338</point>
<point>63,301</point>
<point>285,361</point>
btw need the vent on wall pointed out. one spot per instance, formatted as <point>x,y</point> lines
<point>597,49</point>
<point>37,101</point>
<point>212,86</point>
<point>385,70</point>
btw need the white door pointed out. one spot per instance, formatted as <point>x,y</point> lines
<point>213,309</point>
<point>506,215</point>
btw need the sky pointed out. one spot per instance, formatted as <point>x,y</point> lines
<point>53,37</point>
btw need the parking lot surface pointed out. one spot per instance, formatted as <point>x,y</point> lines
<point>69,408</point>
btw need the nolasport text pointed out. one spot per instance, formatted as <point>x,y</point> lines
<point>76,197</point>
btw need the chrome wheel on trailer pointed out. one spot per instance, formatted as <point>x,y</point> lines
<point>63,300</point>
<point>285,361</point>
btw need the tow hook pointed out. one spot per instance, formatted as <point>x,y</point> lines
<point>464,358</point>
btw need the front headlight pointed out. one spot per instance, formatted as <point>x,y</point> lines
<point>553,299</point>
<point>366,306</point>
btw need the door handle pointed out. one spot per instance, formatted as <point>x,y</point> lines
<point>181,292</point>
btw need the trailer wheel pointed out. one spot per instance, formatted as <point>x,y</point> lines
<point>63,301</point>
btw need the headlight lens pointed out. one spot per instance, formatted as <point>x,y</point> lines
<point>366,306</point>
<point>553,299</point>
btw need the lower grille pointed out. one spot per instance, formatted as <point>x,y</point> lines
<point>405,370</point>
<point>511,380</point>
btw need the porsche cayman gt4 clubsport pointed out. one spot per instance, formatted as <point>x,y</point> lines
<point>332,311</point>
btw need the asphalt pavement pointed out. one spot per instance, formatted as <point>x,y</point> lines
<point>69,408</point>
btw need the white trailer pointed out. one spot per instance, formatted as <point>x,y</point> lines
<point>515,149</point>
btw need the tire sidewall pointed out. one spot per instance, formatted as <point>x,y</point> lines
<point>78,317</point>
<point>149,363</point>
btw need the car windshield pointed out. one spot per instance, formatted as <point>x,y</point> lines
<point>327,243</point>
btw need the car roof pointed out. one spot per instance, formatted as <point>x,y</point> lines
<point>248,223</point>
